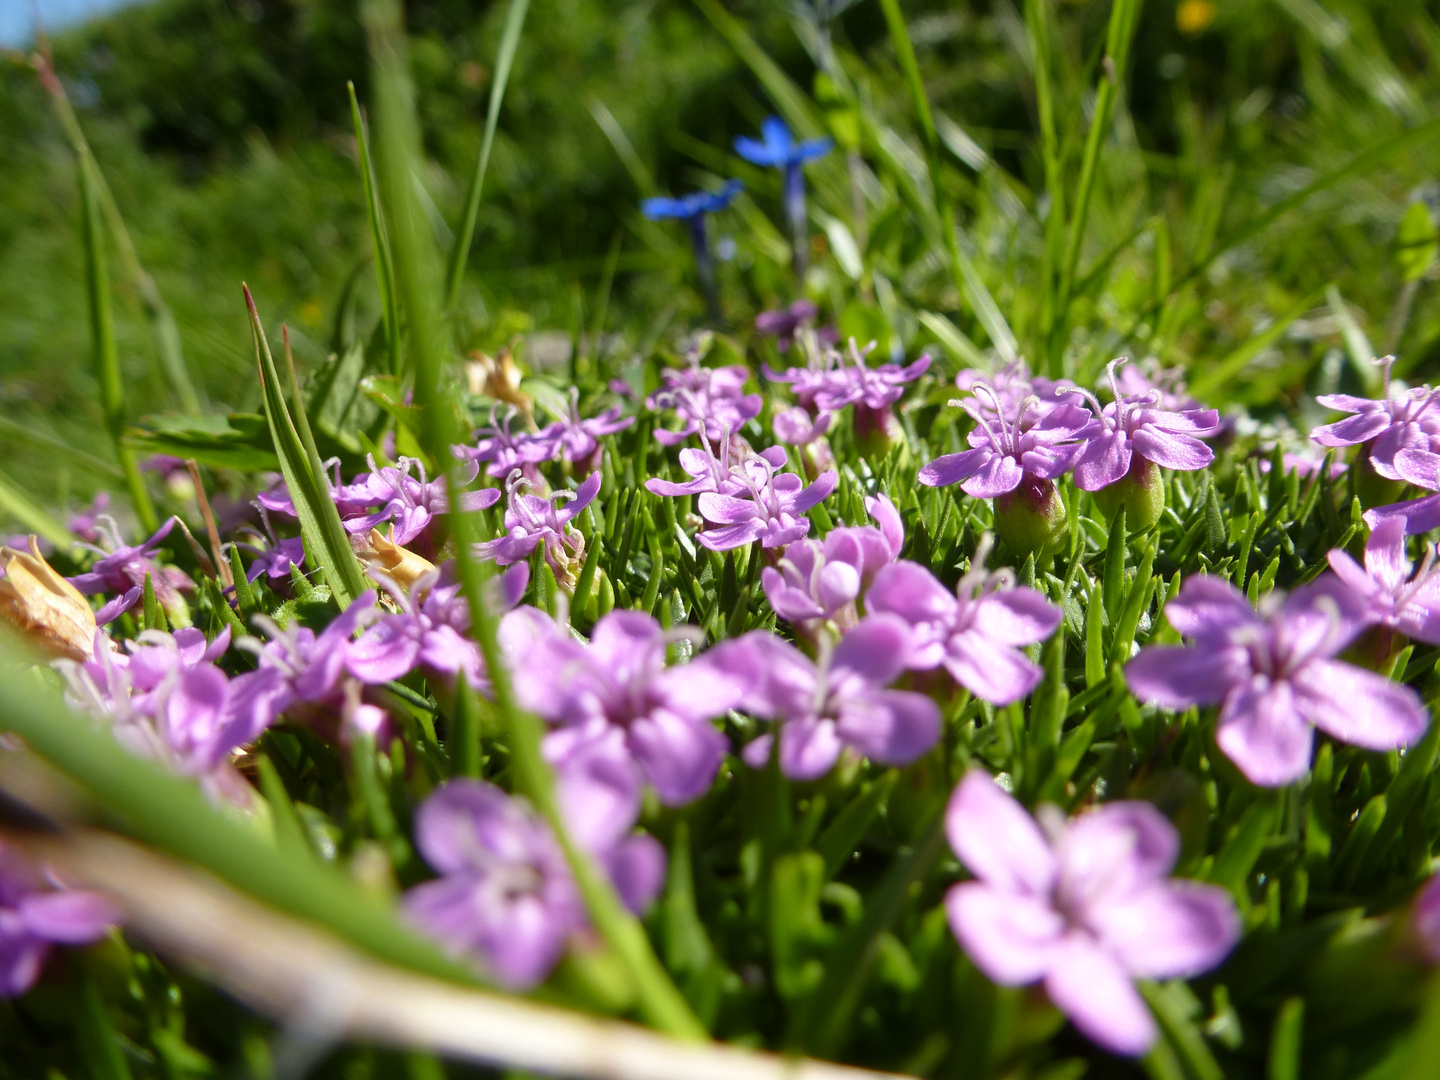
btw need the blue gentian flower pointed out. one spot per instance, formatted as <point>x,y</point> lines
<point>779,150</point>
<point>692,210</point>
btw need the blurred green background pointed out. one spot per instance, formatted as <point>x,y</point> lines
<point>223,129</point>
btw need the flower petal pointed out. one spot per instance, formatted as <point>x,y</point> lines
<point>680,757</point>
<point>952,468</point>
<point>1358,706</point>
<point>1019,616</point>
<point>893,727</point>
<point>993,672</point>
<point>1091,988</point>
<point>996,839</point>
<point>1172,451</point>
<point>1177,677</point>
<point>1263,733</point>
<point>1011,938</point>
<point>1172,930</point>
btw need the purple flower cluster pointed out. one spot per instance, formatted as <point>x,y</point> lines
<point>570,438</point>
<point>708,400</point>
<point>532,522</point>
<point>1276,676</point>
<point>1085,906</point>
<point>122,568</point>
<point>828,384</point>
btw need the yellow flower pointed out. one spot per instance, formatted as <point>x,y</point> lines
<point>47,608</point>
<point>1193,16</point>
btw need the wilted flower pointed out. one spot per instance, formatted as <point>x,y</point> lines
<point>532,521</point>
<point>840,700</point>
<point>506,897</point>
<point>45,607</point>
<point>822,579</point>
<point>1085,905</point>
<point>977,632</point>
<point>1275,677</point>
<point>398,564</point>
<point>497,377</point>
<point>35,913</point>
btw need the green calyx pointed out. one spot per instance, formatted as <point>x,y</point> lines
<point>1140,492</point>
<point>1031,519</point>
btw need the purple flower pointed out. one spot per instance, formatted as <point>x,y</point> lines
<point>1085,905</point>
<point>712,398</point>
<point>505,896</point>
<point>841,700</point>
<point>124,566</point>
<point>428,633</point>
<point>1383,592</point>
<point>617,691</point>
<point>1167,384</point>
<point>531,521</point>
<point>312,668</point>
<point>1395,423</point>
<point>1275,678</point>
<point>1425,920</point>
<point>504,451</point>
<point>865,387</point>
<point>1010,387</point>
<point>85,523</point>
<point>977,632</point>
<point>37,912</point>
<point>818,579</point>
<point>276,560</point>
<point>1131,427</point>
<point>1420,515</point>
<point>414,503</point>
<point>770,509</point>
<point>1039,442</point>
<point>797,427</point>
<point>576,440</point>
<point>709,472</point>
<point>784,324</point>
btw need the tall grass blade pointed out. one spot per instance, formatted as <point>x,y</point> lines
<point>320,528</point>
<point>624,148</point>
<point>18,505</point>
<point>105,353</point>
<point>967,278</point>
<point>379,240</point>
<point>460,253</point>
<point>1124,15</point>
<point>789,99</point>
<point>417,277</point>
<point>162,320</point>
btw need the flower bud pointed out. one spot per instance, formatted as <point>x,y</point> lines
<point>1031,519</point>
<point>1140,492</point>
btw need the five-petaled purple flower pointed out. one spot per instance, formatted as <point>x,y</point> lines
<point>770,508</point>
<point>1039,442</point>
<point>503,451</point>
<point>124,566</point>
<point>1275,677</point>
<point>1394,423</point>
<point>506,898</point>
<point>822,579</point>
<point>1133,427</point>
<point>712,399</point>
<point>1086,905</point>
<point>841,700</point>
<point>976,632</point>
<point>619,715</point>
<point>1383,592</point>
<point>531,521</point>
<point>576,440</point>
<point>413,503</point>
<point>36,913</point>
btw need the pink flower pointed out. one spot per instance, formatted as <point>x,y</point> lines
<point>976,632</point>
<point>1383,592</point>
<point>818,579</point>
<point>770,508</point>
<point>1390,425</point>
<point>1275,677</point>
<point>1084,905</point>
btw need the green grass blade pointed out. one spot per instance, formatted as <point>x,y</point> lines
<point>789,99</point>
<point>379,241</point>
<point>967,277</point>
<point>18,505</point>
<point>162,320</point>
<point>320,528</point>
<point>624,148</point>
<point>460,253</point>
<point>171,813</point>
<point>105,352</point>
<point>417,277</point>
<point>1124,15</point>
